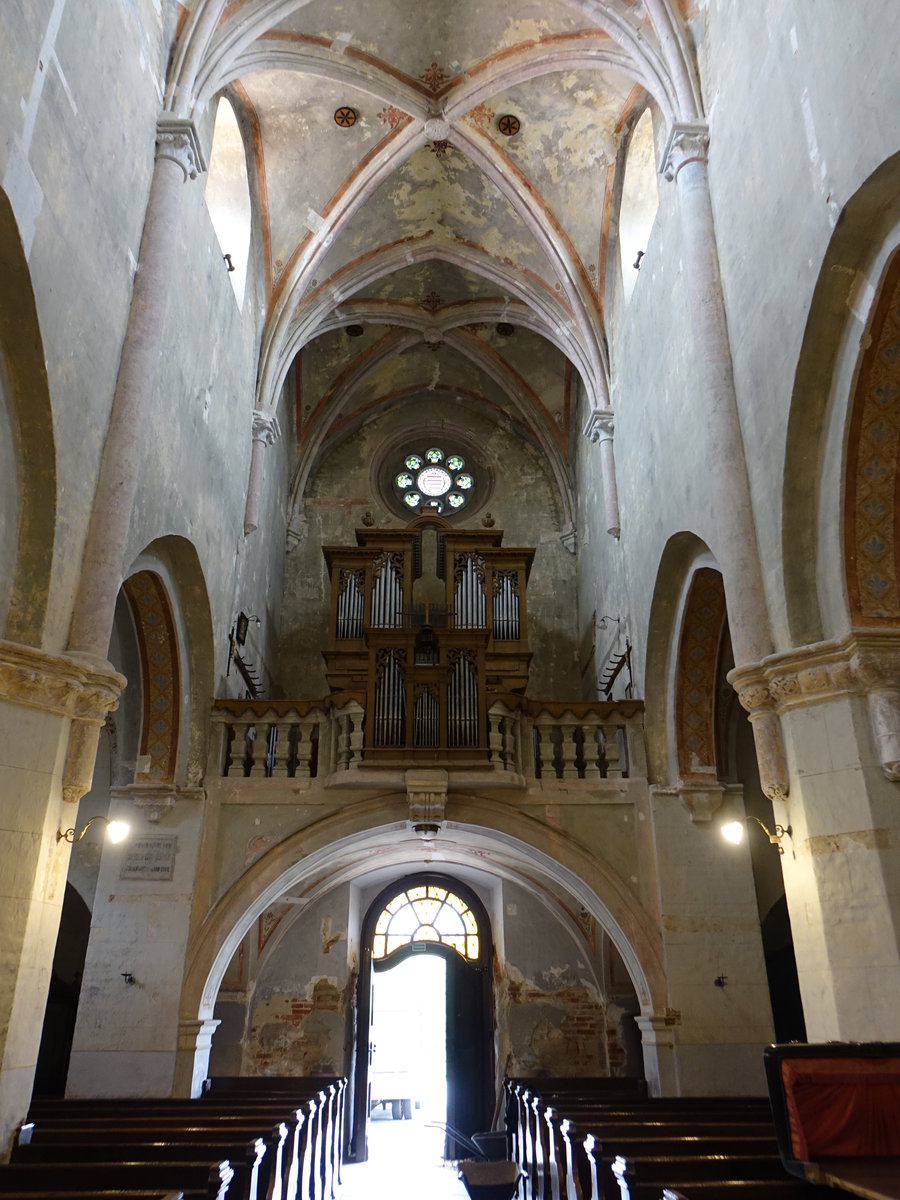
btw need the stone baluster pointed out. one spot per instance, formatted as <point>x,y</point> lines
<point>568,748</point>
<point>220,735</point>
<point>258,737</point>
<point>282,748</point>
<point>611,745</point>
<point>305,730</point>
<point>635,751</point>
<point>591,749</point>
<point>240,746</point>
<point>356,733</point>
<point>495,739</point>
<point>544,750</point>
<point>343,753</point>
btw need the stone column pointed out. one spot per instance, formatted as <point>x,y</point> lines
<point>266,430</point>
<point>178,158</point>
<point>41,695</point>
<point>192,1060</point>
<point>599,430</point>
<point>838,704</point>
<point>736,548</point>
<point>658,1043</point>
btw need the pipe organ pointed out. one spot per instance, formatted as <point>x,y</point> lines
<point>426,624</point>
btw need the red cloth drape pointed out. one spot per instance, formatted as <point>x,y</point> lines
<point>843,1107</point>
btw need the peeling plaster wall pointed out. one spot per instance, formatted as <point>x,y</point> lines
<point>551,1012</point>
<point>304,994</point>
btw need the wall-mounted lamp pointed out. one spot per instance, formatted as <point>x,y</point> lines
<point>116,831</point>
<point>733,831</point>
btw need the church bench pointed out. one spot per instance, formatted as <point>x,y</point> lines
<point>675,1170</point>
<point>837,1114</point>
<point>292,1164</point>
<point>195,1181</point>
<point>275,1176</point>
<point>588,1161</point>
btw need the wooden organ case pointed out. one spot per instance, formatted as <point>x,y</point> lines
<point>427,624</point>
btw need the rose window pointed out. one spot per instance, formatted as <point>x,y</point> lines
<point>434,481</point>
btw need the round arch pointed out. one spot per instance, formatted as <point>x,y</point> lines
<point>174,561</point>
<point>683,554</point>
<point>485,833</point>
<point>24,384</point>
<point>828,371</point>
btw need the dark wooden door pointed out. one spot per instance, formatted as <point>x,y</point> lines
<point>468,1050</point>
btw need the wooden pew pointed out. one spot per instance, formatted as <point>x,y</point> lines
<point>196,1181</point>
<point>299,1161</point>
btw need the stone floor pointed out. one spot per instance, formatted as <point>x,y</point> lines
<point>405,1163</point>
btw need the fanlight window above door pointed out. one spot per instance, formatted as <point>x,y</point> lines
<point>426,913</point>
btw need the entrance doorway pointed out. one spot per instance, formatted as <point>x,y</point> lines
<point>425,1029</point>
<point>407,1039</point>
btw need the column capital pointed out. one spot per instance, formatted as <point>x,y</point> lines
<point>599,425</point>
<point>265,426</point>
<point>865,662</point>
<point>79,686</point>
<point>861,661</point>
<point>177,139</point>
<point>688,141</point>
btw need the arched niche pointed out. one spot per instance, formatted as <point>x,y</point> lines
<point>28,458</point>
<point>176,604</point>
<point>829,373</point>
<point>683,553</point>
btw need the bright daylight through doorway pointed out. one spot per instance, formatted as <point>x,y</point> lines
<point>407,1085</point>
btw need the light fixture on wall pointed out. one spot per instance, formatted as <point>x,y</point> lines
<point>733,831</point>
<point>116,831</point>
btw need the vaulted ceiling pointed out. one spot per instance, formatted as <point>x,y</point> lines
<point>429,217</point>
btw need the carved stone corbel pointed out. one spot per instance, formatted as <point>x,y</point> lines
<point>688,141</point>
<point>426,796</point>
<point>177,140</point>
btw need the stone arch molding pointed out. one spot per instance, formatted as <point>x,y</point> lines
<point>338,848</point>
<point>169,601</point>
<point>25,387</point>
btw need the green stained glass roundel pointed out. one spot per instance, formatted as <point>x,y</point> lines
<point>428,478</point>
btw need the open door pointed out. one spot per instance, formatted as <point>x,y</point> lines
<point>433,914</point>
<point>469,1038</point>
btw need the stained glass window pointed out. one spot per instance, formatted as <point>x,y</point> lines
<point>429,477</point>
<point>426,913</point>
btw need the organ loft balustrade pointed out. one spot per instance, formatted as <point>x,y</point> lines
<point>427,661</point>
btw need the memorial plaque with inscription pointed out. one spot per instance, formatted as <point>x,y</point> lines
<point>150,858</point>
